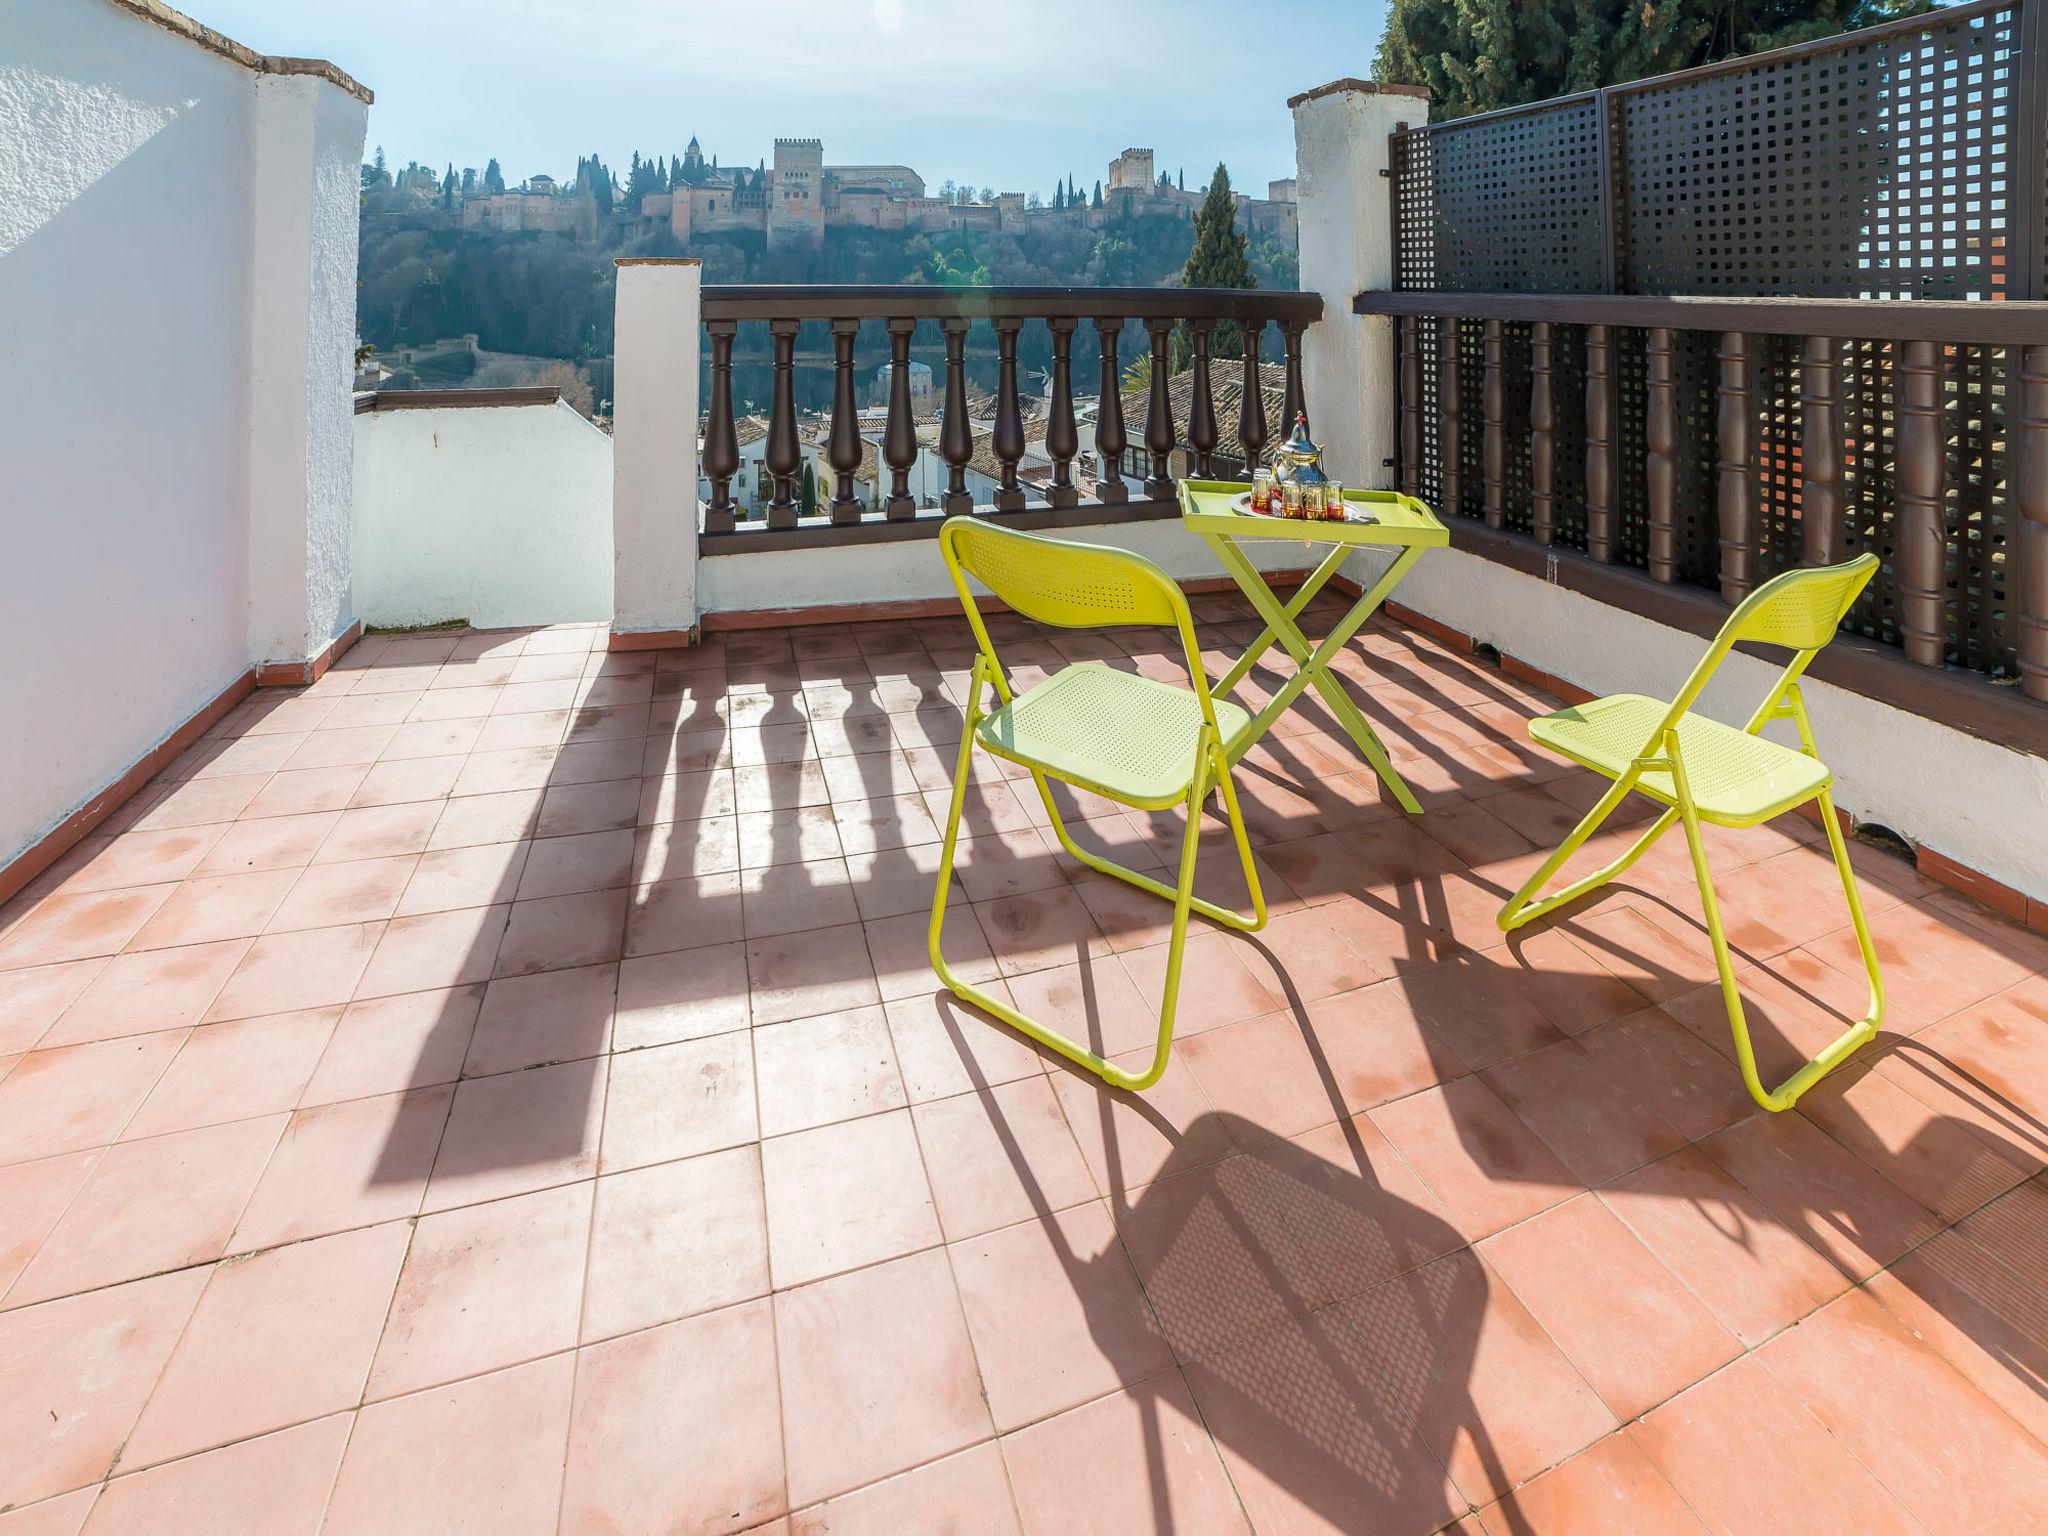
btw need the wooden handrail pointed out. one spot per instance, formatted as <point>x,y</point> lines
<point>1950,321</point>
<point>890,301</point>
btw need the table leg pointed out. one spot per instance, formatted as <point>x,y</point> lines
<point>1295,604</point>
<point>1312,666</point>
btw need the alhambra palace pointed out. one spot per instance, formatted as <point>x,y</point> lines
<point>796,196</point>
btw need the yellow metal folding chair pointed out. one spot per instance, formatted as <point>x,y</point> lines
<point>1704,771</point>
<point>1141,742</point>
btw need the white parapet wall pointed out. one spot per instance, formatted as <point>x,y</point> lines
<point>177,279</point>
<point>497,512</point>
<point>654,456</point>
<point>1347,246</point>
<point>1981,804</point>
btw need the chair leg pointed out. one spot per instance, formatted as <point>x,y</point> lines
<point>1787,1093</point>
<point>1221,783</point>
<point>1522,907</point>
<point>1182,894</point>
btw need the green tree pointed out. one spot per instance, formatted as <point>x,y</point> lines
<point>1221,258</point>
<point>494,179</point>
<point>1477,55</point>
<point>1096,201</point>
<point>810,491</point>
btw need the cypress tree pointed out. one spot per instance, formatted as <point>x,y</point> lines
<point>1096,201</point>
<point>1220,259</point>
<point>494,179</point>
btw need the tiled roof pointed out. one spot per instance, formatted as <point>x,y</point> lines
<point>1226,385</point>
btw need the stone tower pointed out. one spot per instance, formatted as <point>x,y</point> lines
<point>796,191</point>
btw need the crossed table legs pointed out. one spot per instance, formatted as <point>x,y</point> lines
<point>1312,665</point>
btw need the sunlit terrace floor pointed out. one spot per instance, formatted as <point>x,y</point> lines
<point>500,1088</point>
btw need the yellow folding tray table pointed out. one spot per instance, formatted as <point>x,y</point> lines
<point>1378,519</point>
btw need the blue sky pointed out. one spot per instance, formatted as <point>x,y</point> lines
<point>1008,93</point>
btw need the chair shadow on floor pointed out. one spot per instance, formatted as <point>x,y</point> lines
<point>1329,1326</point>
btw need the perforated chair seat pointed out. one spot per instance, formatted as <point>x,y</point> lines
<point>1737,779</point>
<point>1131,738</point>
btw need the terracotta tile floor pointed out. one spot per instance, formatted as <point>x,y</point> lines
<point>500,1087</point>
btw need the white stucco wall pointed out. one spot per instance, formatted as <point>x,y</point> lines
<point>654,465</point>
<point>1347,247</point>
<point>499,515</point>
<point>1983,805</point>
<point>307,146</point>
<point>913,568</point>
<point>129,201</point>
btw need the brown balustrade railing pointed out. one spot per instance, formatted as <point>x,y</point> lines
<point>1948,562</point>
<point>1007,311</point>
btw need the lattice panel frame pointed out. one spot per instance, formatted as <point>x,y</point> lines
<point>1883,166</point>
<point>1876,169</point>
<point>1775,364</point>
<point>1976,399</point>
<point>1869,461</point>
<point>1568,461</point>
<point>1503,204</point>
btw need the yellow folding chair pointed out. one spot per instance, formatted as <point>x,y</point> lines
<point>1141,742</point>
<point>1702,770</point>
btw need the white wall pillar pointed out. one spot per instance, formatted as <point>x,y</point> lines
<point>654,446</point>
<point>306,158</point>
<point>1347,247</point>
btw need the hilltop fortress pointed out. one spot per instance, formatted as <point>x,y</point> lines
<point>797,196</point>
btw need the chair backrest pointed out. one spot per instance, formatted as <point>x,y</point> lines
<point>1799,611</point>
<point>1074,586</point>
<point>1069,585</point>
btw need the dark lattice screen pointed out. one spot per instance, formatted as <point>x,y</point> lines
<point>1506,204</point>
<point>1879,165</point>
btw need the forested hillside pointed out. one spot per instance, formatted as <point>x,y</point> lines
<point>422,277</point>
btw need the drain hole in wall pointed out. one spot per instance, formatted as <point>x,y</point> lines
<point>1885,839</point>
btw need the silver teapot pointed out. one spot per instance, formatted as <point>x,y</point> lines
<point>1298,459</point>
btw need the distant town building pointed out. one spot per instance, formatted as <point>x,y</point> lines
<point>538,204</point>
<point>796,196</point>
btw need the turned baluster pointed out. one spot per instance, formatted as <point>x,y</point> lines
<point>721,441</point>
<point>843,448</point>
<point>956,437</point>
<point>1252,430</point>
<point>1062,438</point>
<point>1159,414</point>
<point>1202,434</point>
<point>1735,506</point>
<point>1449,407</point>
<point>1660,453</point>
<point>899,434</point>
<point>1009,434</point>
<point>1542,436</point>
<point>1599,443</point>
<point>781,455</point>
<point>1109,420</point>
<point>1820,454</point>
<point>1294,404</point>
<point>1411,407</point>
<point>1493,432</point>
<point>1921,571</point>
<point>2030,527</point>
